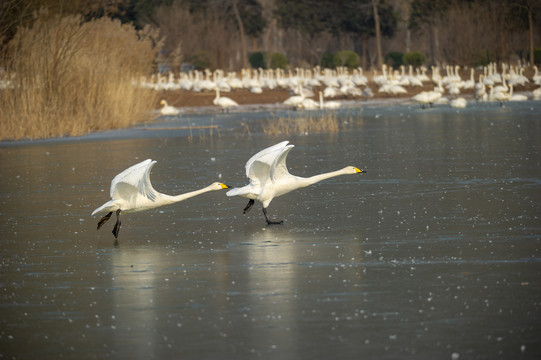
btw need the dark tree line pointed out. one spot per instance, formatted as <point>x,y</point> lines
<point>445,30</point>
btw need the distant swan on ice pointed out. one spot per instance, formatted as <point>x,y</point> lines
<point>168,109</point>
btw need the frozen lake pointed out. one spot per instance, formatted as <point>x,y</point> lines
<point>434,253</point>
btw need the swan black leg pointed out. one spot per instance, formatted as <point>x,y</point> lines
<point>116,229</point>
<point>104,220</point>
<point>249,206</point>
<point>270,222</point>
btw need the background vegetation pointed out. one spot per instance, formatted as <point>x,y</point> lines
<point>74,62</point>
<point>74,76</point>
<point>446,31</point>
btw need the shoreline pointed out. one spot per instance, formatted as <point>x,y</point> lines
<point>189,102</point>
<point>192,103</point>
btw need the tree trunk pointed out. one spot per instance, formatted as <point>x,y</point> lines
<point>378,33</point>
<point>242,35</point>
<point>530,32</point>
<point>364,39</point>
<point>408,40</point>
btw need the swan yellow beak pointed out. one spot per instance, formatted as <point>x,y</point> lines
<point>359,170</point>
<point>224,186</point>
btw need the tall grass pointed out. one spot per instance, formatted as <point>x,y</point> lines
<point>310,122</point>
<point>74,77</point>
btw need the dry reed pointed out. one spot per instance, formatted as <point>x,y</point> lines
<point>74,77</point>
<point>304,123</point>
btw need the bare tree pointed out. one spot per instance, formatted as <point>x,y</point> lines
<point>242,34</point>
<point>378,32</point>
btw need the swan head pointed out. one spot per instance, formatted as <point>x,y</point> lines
<point>218,186</point>
<point>163,102</point>
<point>352,170</point>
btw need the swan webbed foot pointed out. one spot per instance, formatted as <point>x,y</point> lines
<point>116,229</point>
<point>104,220</point>
<point>271,222</point>
<point>249,206</point>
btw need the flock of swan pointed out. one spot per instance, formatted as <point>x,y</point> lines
<point>131,190</point>
<point>494,83</point>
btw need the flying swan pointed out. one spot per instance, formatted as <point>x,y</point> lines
<point>269,178</point>
<point>131,191</point>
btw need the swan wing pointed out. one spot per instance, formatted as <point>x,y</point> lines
<point>265,156</point>
<point>134,181</point>
<point>259,166</point>
<point>279,168</point>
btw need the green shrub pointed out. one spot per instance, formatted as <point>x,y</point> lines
<point>349,59</point>
<point>482,58</point>
<point>413,58</point>
<point>258,59</point>
<point>278,61</point>
<point>330,61</point>
<point>537,56</point>
<point>394,59</point>
<point>200,60</point>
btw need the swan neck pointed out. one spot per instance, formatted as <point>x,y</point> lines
<point>317,178</point>
<point>176,198</point>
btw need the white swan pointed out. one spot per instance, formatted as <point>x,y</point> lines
<point>224,102</point>
<point>296,100</point>
<point>536,76</point>
<point>309,104</point>
<point>459,102</point>
<point>537,94</point>
<point>500,96</point>
<point>269,177</point>
<point>422,98</point>
<point>328,104</point>
<point>426,98</point>
<point>131,191</point>
<point>168,109</point>
<point>480,90</point>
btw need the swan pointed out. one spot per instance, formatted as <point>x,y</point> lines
<point>518,97</point>
<point>426,98</point>
<point>536,76</point>
<point>309,104</point>
<point>331,91</point>
<point>295,100</point>
<point>470,84</point>
<point>537,93</point>
<point>224,102</point>
<point>269,177</point>
<point>480,90</point>
<point>168,109</point>
<point>459,102</point>
<point>423,98</point>
<point>501,96</point>
<point>131,191</point>
<point>327,104</point>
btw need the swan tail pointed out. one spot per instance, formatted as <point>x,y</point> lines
<point>108,206</point>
